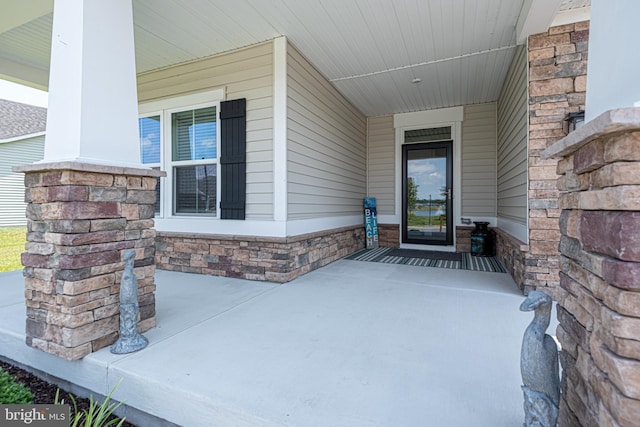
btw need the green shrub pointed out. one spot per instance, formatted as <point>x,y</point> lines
<point>11,392</point>
<point>96,415</point>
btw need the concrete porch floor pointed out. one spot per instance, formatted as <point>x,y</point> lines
<point>351,344</point>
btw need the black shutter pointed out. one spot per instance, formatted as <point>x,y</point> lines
<point>233,166</point>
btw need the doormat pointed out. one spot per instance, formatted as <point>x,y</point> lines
<point>464,261</point>
<point>437,255</point>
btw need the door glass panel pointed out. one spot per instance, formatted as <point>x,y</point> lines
<point>427,195</point>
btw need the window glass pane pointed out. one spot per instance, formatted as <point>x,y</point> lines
<point>195,189</point>
<point>194,134</point>
<point>149,130</point>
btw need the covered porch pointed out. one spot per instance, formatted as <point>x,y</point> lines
<point>352,343</point>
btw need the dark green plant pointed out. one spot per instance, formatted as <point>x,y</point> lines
<point>11,392</point>
<point>97,415</point>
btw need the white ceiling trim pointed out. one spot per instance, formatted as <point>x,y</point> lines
<point>536,17</point>
<point>422,64</point>
<point>571,16</point>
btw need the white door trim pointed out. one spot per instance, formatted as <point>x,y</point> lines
<point>427,119</point>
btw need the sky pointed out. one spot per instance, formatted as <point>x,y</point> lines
<point>26,95</point>
<point>429,174</point>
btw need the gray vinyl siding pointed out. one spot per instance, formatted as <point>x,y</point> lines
<point>244,73</point>
<point>381,172</point>
<point>479,135</point>
<point>21,152</point>
<point>326,146</point>
<point>512,142</point>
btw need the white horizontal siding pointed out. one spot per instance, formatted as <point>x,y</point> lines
<point>381,163</point>
<point>512,142</point>
<point>244,73</point>
<point>21,152</point>
<point>325,146</point>
<point>479,135</point>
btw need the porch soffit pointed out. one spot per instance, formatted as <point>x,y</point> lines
<point>371,50</point>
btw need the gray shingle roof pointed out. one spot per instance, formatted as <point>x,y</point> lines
<point>18,119</point>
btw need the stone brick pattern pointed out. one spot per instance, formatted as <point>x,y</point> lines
<point>463,238</point>
<point>389,235</point>
<point>599,301</point>
<point>255,258</point>
<point>512,252</point>
<point>79,225</point>
<point>557,85</point>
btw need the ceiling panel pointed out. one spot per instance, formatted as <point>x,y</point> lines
<point>370,49</point>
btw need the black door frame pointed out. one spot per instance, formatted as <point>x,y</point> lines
<point>448,145</point>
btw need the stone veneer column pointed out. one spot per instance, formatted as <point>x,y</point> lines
<point>557,85</point>
<point>81,219</point>
<point>599,303</point>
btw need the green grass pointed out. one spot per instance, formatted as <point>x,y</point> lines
<point>12,240</point>
<point>416,221</point>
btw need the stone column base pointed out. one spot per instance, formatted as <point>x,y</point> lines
<point>599,303</point>
<point>81,219</point>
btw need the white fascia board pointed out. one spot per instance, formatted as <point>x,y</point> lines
<point>516,229</point>
<point>535,17</point>
<point>432,117</point>
<point>22,137</point>
<point>571,16</point>
<point>280,138</point>
<point>222,227</point>
<point>253,228</point>
<point>305,226</point>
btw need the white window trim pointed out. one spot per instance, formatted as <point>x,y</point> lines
<point>158,164</point>
<point>170,164</point>
<point>166,219</point>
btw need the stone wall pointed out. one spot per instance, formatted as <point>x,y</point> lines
<point>463,238</point>
<point>557,85</point>
<point>511,253</point>
<point>81,219</point>
<point>255,258</point>
<point>599,302</point>
<point>389,235</point>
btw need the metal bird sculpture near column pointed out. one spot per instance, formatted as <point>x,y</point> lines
<point>130,339</point>
<point>539,365</point>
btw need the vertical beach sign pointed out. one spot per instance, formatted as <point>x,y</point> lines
<point>371,222</point>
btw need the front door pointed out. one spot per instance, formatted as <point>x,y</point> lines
<point>426,193</point>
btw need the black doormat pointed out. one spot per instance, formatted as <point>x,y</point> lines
<point>437,255</point>
<point>465,260</point>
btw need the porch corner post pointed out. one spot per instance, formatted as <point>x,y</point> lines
<point>93,103</point>
<point>90,199</point>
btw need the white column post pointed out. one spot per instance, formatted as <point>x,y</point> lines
<point>614,64</point>
<point>93,105</point>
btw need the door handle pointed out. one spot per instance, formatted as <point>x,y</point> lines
<point>449,193</point>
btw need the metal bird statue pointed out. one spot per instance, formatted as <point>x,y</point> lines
<point>539,365</point>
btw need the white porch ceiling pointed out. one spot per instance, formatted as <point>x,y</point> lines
<point>371,50</point>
